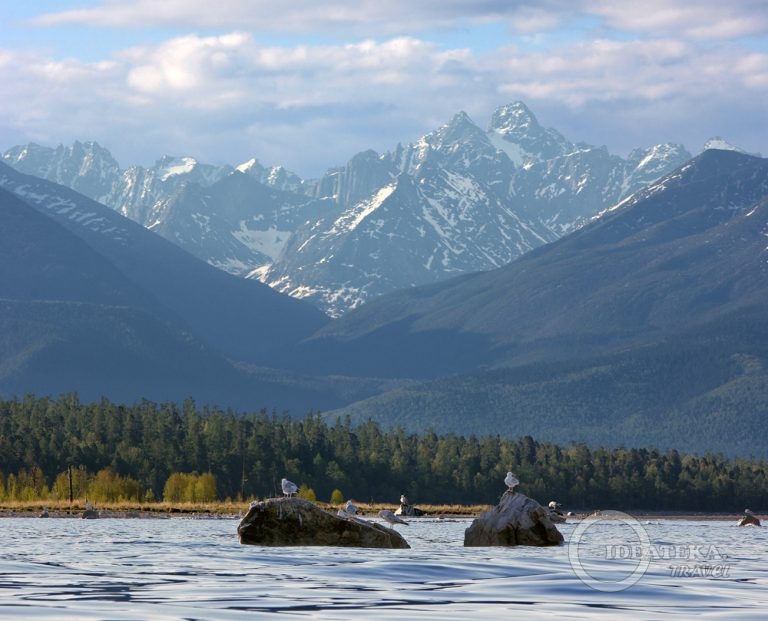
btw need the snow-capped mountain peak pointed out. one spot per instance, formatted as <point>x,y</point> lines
<point>247,167</point>
<point>513,118</point>
<point>515,130</point>
<point>722,144</point>
<point>458,199</point>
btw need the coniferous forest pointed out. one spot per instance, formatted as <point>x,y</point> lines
<point>243,456</point>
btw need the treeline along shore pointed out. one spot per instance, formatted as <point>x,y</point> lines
<point>54,449</point>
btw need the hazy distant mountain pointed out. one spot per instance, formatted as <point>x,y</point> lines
<point>458,200</point>
<point>243,319</point>
<point>649,325</point>
<point>234,224</point>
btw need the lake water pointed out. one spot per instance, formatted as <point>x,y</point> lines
<point>196,569</point>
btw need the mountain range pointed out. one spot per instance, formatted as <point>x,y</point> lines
<point>458,200</point>
<point>642,323</point>
<point>649,322</point>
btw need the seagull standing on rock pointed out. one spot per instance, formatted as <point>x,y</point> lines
<point>289,489</point>
<point>388,516</point>
<point>351,507</point>
<point>511,480</point>
<point>403,500</point>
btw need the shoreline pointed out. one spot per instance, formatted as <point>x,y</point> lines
<point>206,514</point>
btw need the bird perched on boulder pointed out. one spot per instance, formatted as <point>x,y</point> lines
<point>511,481</point>
<point>388,516</point>
<point>351,508</point>
<point>289,489</point>
<point>403,500</point>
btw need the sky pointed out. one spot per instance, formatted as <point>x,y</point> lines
<point>307,84</point>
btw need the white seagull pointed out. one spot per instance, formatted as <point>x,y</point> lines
<point>351,507</point>
<point>511,480</point>
<point>403,499</point>
<point>388,516</point>
<point>289,489</point>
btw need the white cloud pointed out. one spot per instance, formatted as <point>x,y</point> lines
<point>686,18</point>
<point>695,19</point>
<point>226,96</point>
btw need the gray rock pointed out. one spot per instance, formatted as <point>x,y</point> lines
<point>298,522</point>
<point>516,520</point>
<point>409,510</point>
<point>749,520</point>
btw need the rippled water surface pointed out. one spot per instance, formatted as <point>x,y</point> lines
<point>196,569</point>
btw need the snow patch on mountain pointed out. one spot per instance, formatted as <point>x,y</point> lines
<point>349,221</point>
<point>269,242</point>
<point>514,151</point>
<point>171,167</point>
<point>722,144</point>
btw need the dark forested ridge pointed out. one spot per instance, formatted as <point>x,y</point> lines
<point>705,390</point>
<point>248,453</point>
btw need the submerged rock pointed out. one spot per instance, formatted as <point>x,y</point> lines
<point>516,521</point>
<point>298,522</point>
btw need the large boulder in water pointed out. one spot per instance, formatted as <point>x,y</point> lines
<point>298,522</point>
<point>516,521</point>
<point>749,520</point>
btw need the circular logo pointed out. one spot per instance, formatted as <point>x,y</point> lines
<point>639,549</point>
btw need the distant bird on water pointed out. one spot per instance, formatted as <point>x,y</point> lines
<point>351,507</point>
<point>511,480</point>
<point>289,489</point>
<point>388,516</point>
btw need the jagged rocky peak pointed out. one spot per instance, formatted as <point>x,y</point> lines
<point>32,159</point>
<point>274,176</point>
<point>455,143</point>
<point>77,158</point>
<point>88,148</point>
<point>666,150</point>
<point>365,173</point>
<point>283,179</point>
<point>20,153</point>
<point>252,168</point>
<point>513,118</point>
<point>86,167</point>
<point>515,130</point>
<point>459,129</point>
<point>658,158</point>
